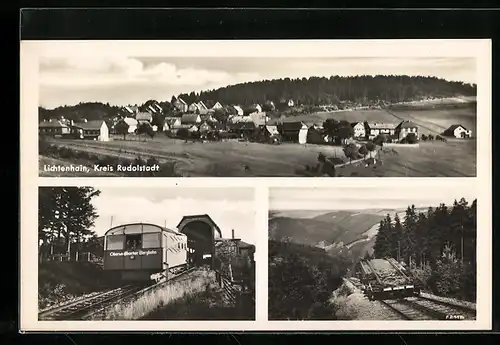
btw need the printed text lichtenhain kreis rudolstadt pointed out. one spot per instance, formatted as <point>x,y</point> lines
<point>100,168</point>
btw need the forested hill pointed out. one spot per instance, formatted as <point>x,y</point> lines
<point>333,90</point>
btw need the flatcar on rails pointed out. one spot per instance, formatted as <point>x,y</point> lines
<point>143,252</point>
<point>386,279</point>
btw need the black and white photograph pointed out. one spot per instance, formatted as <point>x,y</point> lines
<point>119,253</point>
<point>373,253</point>
<point>234,116</point>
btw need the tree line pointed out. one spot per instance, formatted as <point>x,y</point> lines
<point>420,238</point>
<point>439,246</point>
<point>65,216</point>
<point>334,90</point>
<point>304,91</point>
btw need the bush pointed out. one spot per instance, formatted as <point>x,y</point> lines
<point>301,280</point>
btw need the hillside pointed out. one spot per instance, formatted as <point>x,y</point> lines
<point>350,232</point>
<point>333,90</point>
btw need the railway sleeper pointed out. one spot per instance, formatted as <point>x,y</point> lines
<point>436,314</point>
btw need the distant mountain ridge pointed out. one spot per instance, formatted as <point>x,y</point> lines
<point>351,231</point>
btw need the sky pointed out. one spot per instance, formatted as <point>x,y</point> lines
<point>231,208</point>
<point>121,80</point>
<point>368,197</point>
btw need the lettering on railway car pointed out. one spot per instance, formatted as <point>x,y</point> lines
<point>138,253</point>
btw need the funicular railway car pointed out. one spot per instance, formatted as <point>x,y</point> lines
<point>143,252</point>
<point>386,279</point>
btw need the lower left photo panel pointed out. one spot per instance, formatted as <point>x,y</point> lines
<point>120,253</point>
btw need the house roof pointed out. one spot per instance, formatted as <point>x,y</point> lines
<point>453,127</point>
<point>354,124</point>
<point>181,100</point>
<point>407,124</point>
<point>293,126</point>
<point>53,123</point>
<point>202,105</point>
<point>157,106</point>
<point>240,118</point>
<point>94,124</point>
<point>243,244</point>
<point>130,121</point>
<point>259,118</point>
<point>238,108</point>
<point>196,105</point>
<point>190,118</point>
<point>272,130</point>
<point>144,117</point>
<point>377,125</point>
<point>161,228</point>
<point>199,217</point>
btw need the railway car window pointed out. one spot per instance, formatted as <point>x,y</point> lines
<point>133,242</point>
<point>151,240</point>
<point>114,242</point>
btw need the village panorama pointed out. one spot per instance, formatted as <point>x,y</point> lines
<point>362,126</point>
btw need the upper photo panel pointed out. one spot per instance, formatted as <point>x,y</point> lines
<point>231,116</point>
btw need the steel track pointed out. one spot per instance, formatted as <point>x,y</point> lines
<point>75,310</point>
<point>423,308</point>
<point>131,296</point>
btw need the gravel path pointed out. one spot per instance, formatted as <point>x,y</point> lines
<point>352,304</point>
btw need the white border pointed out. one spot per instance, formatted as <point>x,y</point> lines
<point>32,50</point>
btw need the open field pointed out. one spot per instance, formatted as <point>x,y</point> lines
<point>455,158</point>
<point>213,158</point>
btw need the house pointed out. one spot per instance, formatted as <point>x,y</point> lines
<point>193,129</point>
<point>374,129</point>
<point>405,128</point>
<point>259,118</point>
<point>294,131</point>
<point>314,136</point>
<point>458,131</point>
<point>242,128</point>
<point>202,107</point>
<point>217,105</point>
<point>359,129</point>
<point>239,110</point>
<point>180,105</point>
<point>205,127</point>
<point>173,121</point>
<point>290,103</point>
<point>144,117</point>
<point>54,127</point>
<point>131,123</point>
<point>190,119</point>
<point>194,108</point>
<point>258,108</point>
<point>96,130</point>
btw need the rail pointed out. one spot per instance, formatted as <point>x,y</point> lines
<point>135,295</point>
<point>422,308</point>
<point>397,268</point>
<point>374,273</point>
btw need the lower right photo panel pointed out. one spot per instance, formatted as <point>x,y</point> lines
<point>401,251</point>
